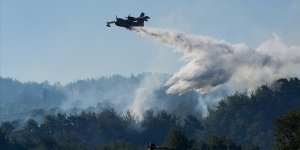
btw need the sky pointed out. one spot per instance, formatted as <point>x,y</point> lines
<point>65,40</point>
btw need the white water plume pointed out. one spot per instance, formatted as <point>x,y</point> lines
<point>211,62</point>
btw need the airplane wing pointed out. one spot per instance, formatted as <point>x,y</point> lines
<point>144,17</point>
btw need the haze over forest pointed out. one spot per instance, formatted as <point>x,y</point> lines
<point>48,113</point>
<point>226,96</point>
<point>196,75</point>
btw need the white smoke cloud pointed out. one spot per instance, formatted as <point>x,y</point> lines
<point>211,63</point>
<point>144,96</point>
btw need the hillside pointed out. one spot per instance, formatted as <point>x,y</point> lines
<point>240,121</point>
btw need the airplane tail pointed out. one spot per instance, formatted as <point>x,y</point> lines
<point>143,18</point>
<point>142,14</point>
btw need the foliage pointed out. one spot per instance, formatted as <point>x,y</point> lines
<point>287,131</point>
<point>240,121</point>
<point>248,118</point>
<point>214,142</point>
<point>177,140</point>
<point>5,143</point>
<point>116,145</point>
<point>156,126</point>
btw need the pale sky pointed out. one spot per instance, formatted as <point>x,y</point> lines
<point>65,40</point>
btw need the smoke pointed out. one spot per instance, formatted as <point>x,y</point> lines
<point>144,96</point>
<point>213,67</point>
<point>212,63</point>
<point>151,95</point>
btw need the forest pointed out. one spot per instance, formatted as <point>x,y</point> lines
<point>41,116</point>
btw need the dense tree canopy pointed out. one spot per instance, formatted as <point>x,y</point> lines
<point>248,118</point>
<point>240,121</point>
<point>287,131</point>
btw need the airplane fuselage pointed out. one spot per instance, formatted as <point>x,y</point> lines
<point>128,24</point>
<point>130,21</point>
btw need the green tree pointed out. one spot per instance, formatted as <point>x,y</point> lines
<point>287,131</point>
<point>220,143</point>
<point>157,126</point>
<point>3,141</point>
<point>177,140</point>
<point>116,145</point>
<point>6,144</point>
<point>192,126</point>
